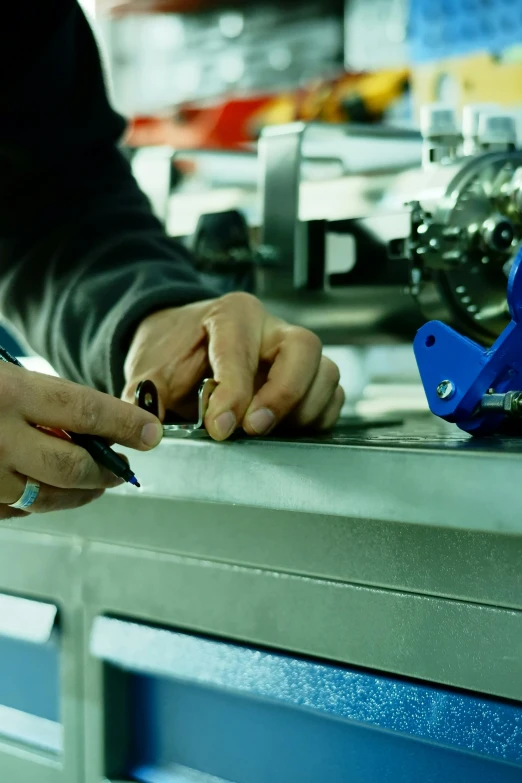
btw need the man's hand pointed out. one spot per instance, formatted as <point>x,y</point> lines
<point>68,475</point>
<point>268,371</point>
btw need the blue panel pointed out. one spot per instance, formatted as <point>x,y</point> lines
<point>29,678</point>
<point>252,716</point>
<point>255,741</point>
<point>450,28</point>
<point>457,720</point>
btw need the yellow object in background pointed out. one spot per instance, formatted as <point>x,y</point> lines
<point>361,98</point>
<point>478,78</point>
<point>349,98</point>
<point>377,92</point>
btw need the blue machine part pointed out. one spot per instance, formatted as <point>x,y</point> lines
<point>467,371</point>
<point>452,28</point>
<point>210,711</point>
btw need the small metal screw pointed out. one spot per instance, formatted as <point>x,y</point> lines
<point>445,390</point>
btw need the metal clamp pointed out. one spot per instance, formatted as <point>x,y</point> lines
<point>147,398</point>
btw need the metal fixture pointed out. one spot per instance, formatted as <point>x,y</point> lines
<point>440,133</point>
<point>147,398</point>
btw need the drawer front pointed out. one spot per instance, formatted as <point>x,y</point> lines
<point>29,674</point>
<point>200,710</point>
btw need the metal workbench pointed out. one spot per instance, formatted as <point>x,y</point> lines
<point>359,595</point>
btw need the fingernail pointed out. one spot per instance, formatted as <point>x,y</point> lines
<point>151,435</point>
<point>225,424</point>
<point>261,421</point>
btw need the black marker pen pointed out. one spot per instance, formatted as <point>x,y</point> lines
<point>99,450</point>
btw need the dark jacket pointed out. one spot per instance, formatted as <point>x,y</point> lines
<point>82,258</point>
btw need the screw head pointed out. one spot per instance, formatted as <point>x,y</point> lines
<point>445,390</point>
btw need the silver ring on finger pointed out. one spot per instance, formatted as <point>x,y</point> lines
<point>30,493</point>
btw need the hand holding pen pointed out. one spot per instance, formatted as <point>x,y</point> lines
<point>40,473</point>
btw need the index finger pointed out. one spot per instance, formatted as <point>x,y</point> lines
<point>234,328</point>
<point>53,402</point>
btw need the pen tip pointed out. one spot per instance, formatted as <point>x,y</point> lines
<point>135,482</point>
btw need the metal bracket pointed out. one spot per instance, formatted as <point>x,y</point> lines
<point>147,398</point>
<point>280,156</point>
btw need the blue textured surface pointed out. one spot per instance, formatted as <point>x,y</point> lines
<point>246,740</point>
<point>29,677</point>
<point>457,720</point>
<point>444,355</point>
<point>229,710</point>
<point>449,28</point>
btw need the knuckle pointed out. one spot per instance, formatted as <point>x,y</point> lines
<point>87,413</point>
<point>331,371</point>
<point>240,299</point>
<point>59,394</point>
<point>72,469</point>
<point>237,301</point>
<point>79,469</point>
<point>307,338</point>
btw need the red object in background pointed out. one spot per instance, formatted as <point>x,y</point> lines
<point>348,97</point>
<point>125,7</point>
<point>224,126</point>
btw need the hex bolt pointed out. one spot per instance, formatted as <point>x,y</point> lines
<point>445,390</point>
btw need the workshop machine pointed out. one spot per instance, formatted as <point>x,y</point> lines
<point>465,267</point>
<point>394,247</point>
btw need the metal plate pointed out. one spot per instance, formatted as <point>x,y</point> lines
<point>185,429</point>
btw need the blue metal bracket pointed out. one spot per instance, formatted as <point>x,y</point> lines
<point>467,384</point>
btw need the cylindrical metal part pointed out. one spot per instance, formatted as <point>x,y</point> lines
<point>471,115</point>
<point>497,132</point>
<point>498,233</point>
<point>438,123</point>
